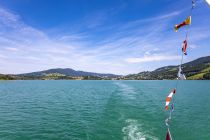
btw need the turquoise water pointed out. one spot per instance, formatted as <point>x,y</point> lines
<point>102,110</point>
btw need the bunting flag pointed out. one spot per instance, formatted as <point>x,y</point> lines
<point>184,47</point>
<point>168,99</point>
<point>168,135</point>
<point>208,2</point>
<point>181,75</point>
<point>186,22</point>
<point>172,107</point>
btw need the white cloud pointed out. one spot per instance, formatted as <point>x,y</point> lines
<point>11,49</point>
<point>193,46</point>
<point>152,58</point>
<point>25,48</point>
<point>9,19</point>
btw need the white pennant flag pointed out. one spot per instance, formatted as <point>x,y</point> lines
<point>208,2</point>
<point>180,74</point>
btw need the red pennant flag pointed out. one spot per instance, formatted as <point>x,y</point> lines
<point>184,47</point>
<point>186,22</point>
<point>168,135</point>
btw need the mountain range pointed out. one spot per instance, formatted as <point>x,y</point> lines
<point>65,73</point>
<point>198,69</point>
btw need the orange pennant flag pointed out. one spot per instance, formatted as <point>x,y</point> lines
<point>186,22</point>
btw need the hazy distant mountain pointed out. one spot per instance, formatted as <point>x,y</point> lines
<point>197,69</point>
<point>67,72</point>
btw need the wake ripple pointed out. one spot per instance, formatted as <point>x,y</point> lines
<point>133,131</point>
<point>126,90</point>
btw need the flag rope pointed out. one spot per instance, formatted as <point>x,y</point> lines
<point>168,119</point>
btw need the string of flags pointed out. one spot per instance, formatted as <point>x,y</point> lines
<point>180,74</point>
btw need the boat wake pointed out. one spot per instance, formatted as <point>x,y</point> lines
<point>133,131</point>
<point>126,90</point>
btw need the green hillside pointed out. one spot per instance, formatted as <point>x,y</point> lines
<point>198,69</point>
<point>6,77</point>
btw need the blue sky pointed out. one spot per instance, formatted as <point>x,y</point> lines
<point>116,36</point>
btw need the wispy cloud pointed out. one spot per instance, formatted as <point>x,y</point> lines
<point>155,19</point>
<point>12,49</point>
<point>120,50</point>
<point>152,58</point>
<point>8,18</point>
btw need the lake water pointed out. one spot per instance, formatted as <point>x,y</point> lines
<point>102,110</point>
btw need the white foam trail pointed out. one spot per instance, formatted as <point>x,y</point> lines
<point>133,131</point>
<point>126,90</point>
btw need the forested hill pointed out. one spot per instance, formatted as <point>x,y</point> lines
<point>59,73</point>
<point>68,72</point>
<point>197,69</point>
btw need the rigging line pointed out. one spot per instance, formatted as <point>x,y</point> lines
<point>176,87</point>
<point>177,81</point>
<point>190,14</point>
<point>186,37</point>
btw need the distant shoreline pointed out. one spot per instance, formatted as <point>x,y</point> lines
<point>198,69</point>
